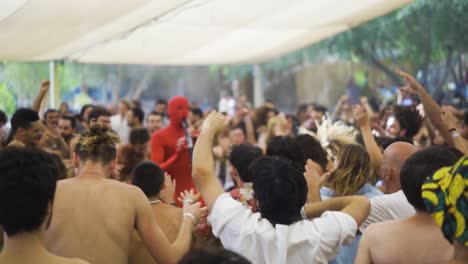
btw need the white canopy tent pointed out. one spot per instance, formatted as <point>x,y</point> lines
<point>174,32</point>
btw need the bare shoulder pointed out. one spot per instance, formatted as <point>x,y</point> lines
<point>79,261</point>
<point>65,182</point>
<point>62,260</point>
<point>382,228</point>
<point>132,191</point>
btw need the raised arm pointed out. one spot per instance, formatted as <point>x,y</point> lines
<point>249,127</point>
<point>203,163</point>
<point>431,108</point>
<point>358,207</point>
<point>154,238</point>
<point>362,119</point>
<point>45,85</point>
<point>451,122</point>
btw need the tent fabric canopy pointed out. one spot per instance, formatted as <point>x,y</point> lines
<point>174,32</point>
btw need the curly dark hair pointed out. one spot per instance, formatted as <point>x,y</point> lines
<point>409,119</point>
<point>280,189</point>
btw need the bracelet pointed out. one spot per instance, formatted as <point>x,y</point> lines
<point>303,214</point>
<point>191,216</point>
<point>188,201</point>
<point>455,135</point>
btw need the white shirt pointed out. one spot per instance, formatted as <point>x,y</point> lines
<point>388,207</point>
<point>307,241</point>
<point>120,126</point>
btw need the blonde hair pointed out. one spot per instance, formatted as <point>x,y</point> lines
<point>352,172</point>
<point>271,128</point>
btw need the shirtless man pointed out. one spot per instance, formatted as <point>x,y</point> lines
<point>27,186</point>
<point>94,217</point>
<point>150,178</point>
<point>26,128</point>
<point>417,239</point>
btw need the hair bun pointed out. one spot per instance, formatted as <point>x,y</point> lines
<point>98,129</point>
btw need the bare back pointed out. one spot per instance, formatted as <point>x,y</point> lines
<point>93,219</point>
<point>407,241</point>
<point>169,218</point>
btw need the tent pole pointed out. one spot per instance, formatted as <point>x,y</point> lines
<point>259,97</point>
<point>52,84</point>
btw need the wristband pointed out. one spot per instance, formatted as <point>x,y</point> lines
<point>191,216</point>
<point>303,214</point>
<point>455,134</point>
<point>188,201</point>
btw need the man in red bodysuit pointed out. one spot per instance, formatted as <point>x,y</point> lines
<point>169,146</point>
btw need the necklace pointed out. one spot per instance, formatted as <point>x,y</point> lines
<point>90,172</point>
<point>155,201</point>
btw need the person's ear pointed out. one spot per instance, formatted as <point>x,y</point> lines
<point>112,165</point>
<point>386,174</point>
<point>75,161</point>
<point>402,132</point>
<point>20,132</point>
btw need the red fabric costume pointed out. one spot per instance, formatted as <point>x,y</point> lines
<point>164,151</point>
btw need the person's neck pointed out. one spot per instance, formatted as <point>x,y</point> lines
<point>176,125</point>
<point>423,218</point>
<point>93,169</point>
<point>393,188</point>
<point>51,128</point>
<point>21,140</point>
<point>154,198</point>
<point>138,125</point>
<point>461,253</point>
<point>24,245</point>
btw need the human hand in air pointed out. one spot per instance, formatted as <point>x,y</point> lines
<point>168,192</point>
<point>45,85</point>
<point>344,99</point>
<point>215,122</point>
<point>361,116</point>
<point>413,87</point>
<point>188,197</point>
<point>448,117</point>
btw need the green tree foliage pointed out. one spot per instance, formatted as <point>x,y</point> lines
<point>425,33</point>
<point>7,103</point>
<point>413,38</point>
<point>24,78</point>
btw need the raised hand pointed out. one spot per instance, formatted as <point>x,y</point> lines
<point>167,193</point>
<point>361,116</point>
<point>448,117</point>
<point>45,85</point>
<point>215,122</point>
<point>188,197</point>
<point>413,86</point>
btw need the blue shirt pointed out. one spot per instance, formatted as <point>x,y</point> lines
<point>347,254</point>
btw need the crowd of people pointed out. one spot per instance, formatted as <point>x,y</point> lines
<point>353,184</point>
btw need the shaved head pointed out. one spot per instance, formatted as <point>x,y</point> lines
<point>394,157</point>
